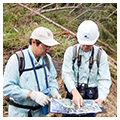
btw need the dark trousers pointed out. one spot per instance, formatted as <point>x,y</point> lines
<point>84,115</point>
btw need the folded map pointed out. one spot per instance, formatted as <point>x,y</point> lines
<point>66,106</point>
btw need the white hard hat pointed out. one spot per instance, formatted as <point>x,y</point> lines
<point>44,35</point>
<point>87,33</point>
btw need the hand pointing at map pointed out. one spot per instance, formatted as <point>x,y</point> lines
<point>77,98</point>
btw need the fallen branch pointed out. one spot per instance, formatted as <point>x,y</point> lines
<point>86,11</point>
<point>83,14</point>
<point>45,6</point>
<point>49,20</point>
<point>74,8</point>
<point>106,30</point>
<point>106,45</point>
<point>56,24</point>
<point>80,15</point>
<point>56,8</point>
<point>98,4</point>
<point>112,60</point>
<point>112,13</point>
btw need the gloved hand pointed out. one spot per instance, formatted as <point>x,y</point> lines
<point>56,95</point>
<point>40,98</point>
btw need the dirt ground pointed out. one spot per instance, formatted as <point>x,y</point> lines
<point>110,104</point>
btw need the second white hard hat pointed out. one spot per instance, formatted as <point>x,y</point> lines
<point>87,33</point>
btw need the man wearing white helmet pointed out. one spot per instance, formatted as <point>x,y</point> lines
<point>83,78</point>
<point>29,91</point>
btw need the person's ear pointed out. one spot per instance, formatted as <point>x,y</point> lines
<point>33,41</point>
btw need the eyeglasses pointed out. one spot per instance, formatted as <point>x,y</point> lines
<point>46,47</point>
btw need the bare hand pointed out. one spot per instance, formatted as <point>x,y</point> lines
<point>77,98</point>
<point>100,101</point>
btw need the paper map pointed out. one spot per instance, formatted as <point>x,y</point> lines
<point>66,106</point>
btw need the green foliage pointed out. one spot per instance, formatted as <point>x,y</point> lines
<point>64,44</point>
<point>5,108</point>
<point>59,16</point>
<point>18,24</point>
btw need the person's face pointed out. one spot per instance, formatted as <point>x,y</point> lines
<point>39,50</point>
<point>86,48</point>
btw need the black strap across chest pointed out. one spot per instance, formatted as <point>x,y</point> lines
<point>79,61</point>
<point>91,61</point>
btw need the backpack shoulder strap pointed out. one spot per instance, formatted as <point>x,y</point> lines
<point>74,51</point>
<point>98,57</point>
<point>47,62</point>
<point>21,61</point>
<point>74,55</point>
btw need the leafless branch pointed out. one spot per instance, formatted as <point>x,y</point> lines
<point>63,28</point>
<point>45,6</point>
<point>112,60</point>
<point>98,4</point>
<point>74,8</point>
<point>49,20</point>
<point>106,45</point>
<point>112,13</point>
<point>80,15</point>
<point>57,8</point>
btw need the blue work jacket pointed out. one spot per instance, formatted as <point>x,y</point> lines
<point>101,80</point>
<point>17,87</point>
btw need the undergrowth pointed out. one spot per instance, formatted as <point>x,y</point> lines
<point>18,24</point>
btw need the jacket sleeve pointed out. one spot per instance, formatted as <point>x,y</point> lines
<point>11,85</point>
<point>67,72</point>
<point>104,79</point>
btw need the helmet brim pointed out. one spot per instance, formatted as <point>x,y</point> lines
<point>86,42</point>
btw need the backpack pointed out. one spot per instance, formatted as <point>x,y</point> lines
<point>21,62</point>
<point>75,56</point>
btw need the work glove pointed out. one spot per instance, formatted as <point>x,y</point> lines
<point>56,96</point>
<point>40,98</point>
